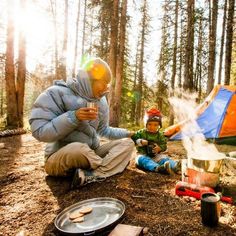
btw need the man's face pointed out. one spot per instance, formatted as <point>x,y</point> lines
<point>100,87</point>
<point>152,126</point>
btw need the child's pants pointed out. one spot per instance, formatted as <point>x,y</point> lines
<point>147,163</point>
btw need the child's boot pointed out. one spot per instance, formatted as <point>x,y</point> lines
<point>177,168</point>
<point>164,169</point>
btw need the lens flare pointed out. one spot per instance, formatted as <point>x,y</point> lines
<point>129,94</point>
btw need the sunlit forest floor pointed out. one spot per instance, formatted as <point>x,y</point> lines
<point>30,200</point>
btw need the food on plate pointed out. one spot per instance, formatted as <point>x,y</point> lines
<point>75,215</point>
<point>85,210</point>
<point>78,220</point>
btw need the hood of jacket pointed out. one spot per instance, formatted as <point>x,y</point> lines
<point>81,86</point>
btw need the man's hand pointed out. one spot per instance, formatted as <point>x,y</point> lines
<point>86,113</point>
<point>156,149</point>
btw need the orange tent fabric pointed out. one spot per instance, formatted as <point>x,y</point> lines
<point>216,116</point>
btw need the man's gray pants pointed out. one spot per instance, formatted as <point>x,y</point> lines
<point>109,159</point>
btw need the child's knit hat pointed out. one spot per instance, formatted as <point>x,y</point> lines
<point>154,114</point>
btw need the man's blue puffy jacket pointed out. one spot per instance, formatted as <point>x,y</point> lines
<point>53,117</point>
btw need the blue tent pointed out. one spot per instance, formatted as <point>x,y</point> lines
<point>216,117</point>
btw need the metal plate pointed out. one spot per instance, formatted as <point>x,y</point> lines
<point>106,211</point>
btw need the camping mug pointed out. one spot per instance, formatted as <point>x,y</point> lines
<point>210,209</point>
<point>92,105</point>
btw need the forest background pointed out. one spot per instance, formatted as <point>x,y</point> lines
<point>154,49</point>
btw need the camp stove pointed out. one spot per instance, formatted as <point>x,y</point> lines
<point>196,191</point>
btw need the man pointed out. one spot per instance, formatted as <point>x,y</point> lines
<point>61,118</point>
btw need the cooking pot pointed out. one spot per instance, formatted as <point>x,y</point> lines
<point>212,165</point>
<point>206,165</point>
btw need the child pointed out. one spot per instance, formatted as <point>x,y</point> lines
<point>150,142</point>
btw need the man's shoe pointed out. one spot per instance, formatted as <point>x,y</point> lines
<point>80,179</point>
<point>90,179</point>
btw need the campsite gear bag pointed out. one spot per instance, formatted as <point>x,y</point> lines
<point>106,214</point>
<point>210,209</point>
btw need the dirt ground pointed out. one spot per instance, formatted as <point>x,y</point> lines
<point>30,200</point>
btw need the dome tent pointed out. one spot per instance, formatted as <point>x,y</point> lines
<point>216,117</point>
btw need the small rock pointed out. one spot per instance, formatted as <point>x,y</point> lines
<point>192,199</point>
<point>186,198</point>
<point>2,145</point>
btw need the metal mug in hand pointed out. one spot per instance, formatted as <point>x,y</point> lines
<point>210,209</point>
<point>149,149</point>
<point>92,105</point>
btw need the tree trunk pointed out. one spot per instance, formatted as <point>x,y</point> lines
<point>91,34</point>
<point>229,41</point>
<point>141,61</point>
<point>198,66</point>
<point>54,14</point>
<point>119,66</point>
<point>222,43</point>
<point>63,61</point>
<point>181,55</point>
<point>105,18</point>
<point>112,57</point>
<point>188,70</point>
<point>135,93</point>
<point>12,119</point>
<point>171,119</point>
<point>1,97</point>
<point>84,26</point>
<point>21,72</point>
<point>76,41</point>
<point>212,47</point>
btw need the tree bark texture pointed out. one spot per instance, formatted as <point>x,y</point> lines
<point>112,56</point>
<point>21,72</point>
<point>76,41</point>
<point>54,15</point>
<point>12,119</point>
<point>188,70</point>
<point>141,61</point>
<point>198,67</point>
<point>229,41</point>
<point>119,65</point>
<point>222,42</point>
<point>63,57</point>
<point>171,119</point>
<point>135,93</point>
<point>212,46</point>
<point>84,27</point>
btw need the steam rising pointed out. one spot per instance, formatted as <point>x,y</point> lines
<point>193,139</point>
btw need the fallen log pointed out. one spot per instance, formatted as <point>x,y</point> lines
<point>11,132</point>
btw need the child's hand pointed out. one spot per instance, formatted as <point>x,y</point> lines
<point>144,142</point>
<point>156,149</point>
